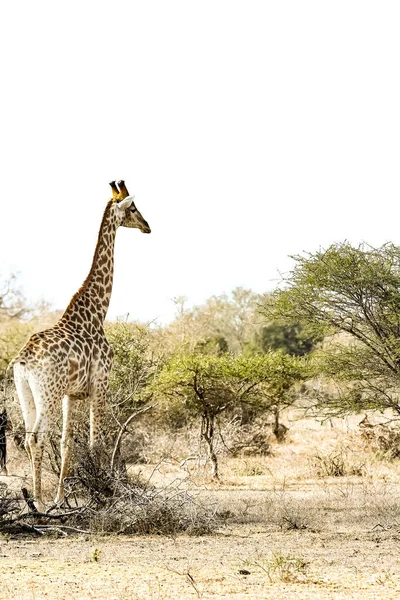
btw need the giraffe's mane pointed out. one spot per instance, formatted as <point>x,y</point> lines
<point>85,284</point>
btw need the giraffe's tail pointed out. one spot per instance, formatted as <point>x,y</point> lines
<point>3,442</point>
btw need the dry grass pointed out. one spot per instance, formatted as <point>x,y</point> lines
<point>317,518</point>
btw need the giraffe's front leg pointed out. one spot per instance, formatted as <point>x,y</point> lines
<point>66,441</point>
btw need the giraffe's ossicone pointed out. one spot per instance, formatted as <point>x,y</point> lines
<point>73,358</point>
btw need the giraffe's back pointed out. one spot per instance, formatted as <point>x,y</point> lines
<point>61,359</point>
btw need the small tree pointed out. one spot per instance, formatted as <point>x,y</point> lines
<point>207,385</point>
<point>278,390</point>
<point>354,292</point>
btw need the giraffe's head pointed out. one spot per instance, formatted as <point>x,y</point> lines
<point>129,214</point>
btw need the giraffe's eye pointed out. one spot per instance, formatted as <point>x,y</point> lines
<point>133,210</point>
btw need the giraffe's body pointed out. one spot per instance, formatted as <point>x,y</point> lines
<point>73,359</point>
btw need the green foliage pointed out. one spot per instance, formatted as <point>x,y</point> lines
<point>216,345</point>
<point>342,289</point>
<point>217,382</point>
<point>284,371</point>
<point>199,380</point>
<point>95,556</point>
<point>291,339</point>
<point>137,359</point>
<point>354,292</point>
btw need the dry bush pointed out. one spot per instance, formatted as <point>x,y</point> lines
<point>251,439</point>
<point>281,567</point>
<point>294,516</point>
<point>382,439</point>
<point>115,502</point>
<point>338,463</point>
<point>136,445</point>
<point>101,501</point>
<point>250,466</point>
<point>150,440</point>
<point>133,507</point>
<point>9,506</point>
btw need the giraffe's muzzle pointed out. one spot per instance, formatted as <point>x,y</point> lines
<point>145,227</point>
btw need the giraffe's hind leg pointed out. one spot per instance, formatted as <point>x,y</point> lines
<point>45,404</point>
<point>27,403</point>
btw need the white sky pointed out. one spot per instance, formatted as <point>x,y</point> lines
<point>247,131</point>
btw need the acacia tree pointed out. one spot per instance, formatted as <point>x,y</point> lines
<point>353,291</point>
<point>277,391</point>
<point>208,385</point>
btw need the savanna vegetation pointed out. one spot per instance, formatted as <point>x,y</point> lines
<point>246,392</point>
<point>325,342</point>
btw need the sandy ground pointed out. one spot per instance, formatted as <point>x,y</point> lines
<point>339,566</point>
<point>290,533</point>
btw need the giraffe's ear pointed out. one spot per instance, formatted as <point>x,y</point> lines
<point>126,202</point>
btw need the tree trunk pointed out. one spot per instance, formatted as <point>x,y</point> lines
<point>280,430</point>
<point>247,413</point>
<point>207,433</point>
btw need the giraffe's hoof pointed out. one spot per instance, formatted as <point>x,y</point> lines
<point>56,505</point>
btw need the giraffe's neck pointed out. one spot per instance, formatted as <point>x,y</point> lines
<point>88,307</point>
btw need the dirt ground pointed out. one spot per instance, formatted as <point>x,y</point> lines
<point>290,530</point>
<point>233,564</point>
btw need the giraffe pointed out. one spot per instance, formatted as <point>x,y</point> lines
<point>73,358</point>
